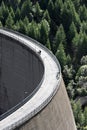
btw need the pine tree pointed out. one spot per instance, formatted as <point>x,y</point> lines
<point>48,44</point>
<point>66,15</point>
<point>22,27</point>
<point>83,13</point>
<point>33,30</point>
<point>38,9</point>
<point>44,31</point>
<point>76,4</point>
<point>72,31</point>
<point>83,27</point>
<point>50,8</point>
<point>37,12</point>
<point>16,26</point>
<point>26,8</point>
<point>17,14</point>
<point>46,16</point>
<point>75,43</point>
<point>69,14</point>
<point>82,45</point>
<point>12,12</point>
<point>57,11</point>
<point>69,61</point>
<point>4,12</point>
<point>9,22</point>
<point>60,37</point>
<point>71,34</point>
<point>60,54</point>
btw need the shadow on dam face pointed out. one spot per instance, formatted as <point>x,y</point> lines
<point>21,71</point>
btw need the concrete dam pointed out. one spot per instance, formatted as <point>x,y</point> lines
<point>32,91</point>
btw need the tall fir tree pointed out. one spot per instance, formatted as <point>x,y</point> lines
<point>60,37</point>
<point>26,8</point>
<point>44,31</point>
<point>61,55</point>
<point>9,22</point>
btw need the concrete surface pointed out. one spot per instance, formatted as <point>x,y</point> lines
<point>57,115</point>
<point>21,70</point>
<point>37,114</point>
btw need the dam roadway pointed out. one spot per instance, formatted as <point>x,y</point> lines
<point>49,108</point>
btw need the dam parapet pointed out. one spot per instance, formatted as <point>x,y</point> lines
<point>42,102</point>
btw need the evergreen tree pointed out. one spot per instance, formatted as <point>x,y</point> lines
<point>26,8</point>
<point>16,26</point>
<point>23,27</point>
<point>4,12</point>
<point>82,46</point>
<point>66,14</point>
<point>75,43</point>
<point>60,36</point>
<point>50,8</point>
<point>37,12</point>
<point>46,16</point>
<point>69,14</point>
<point>17,14</point>
<point>26,21</point>
<point>70,36</point>
<point>76,4</point>
<point>60,54</point>
<point>48,44</point>
<point>72,32</point>
<point>69,61</point>
<point>83,27</point>
<point>83,12</point>
<point>33,30</point>
<point>9,22</point>
<point>38,9</point>
<point>12,12</point>
<point>44,31</point>
<point>57,11</point>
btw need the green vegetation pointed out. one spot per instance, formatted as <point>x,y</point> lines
<point>61,25</point>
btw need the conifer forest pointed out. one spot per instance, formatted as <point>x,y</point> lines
<point>60,25</point>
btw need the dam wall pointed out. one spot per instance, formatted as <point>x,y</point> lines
<point>21,70</point>
<point>57,115</point>
<point>49,107</point>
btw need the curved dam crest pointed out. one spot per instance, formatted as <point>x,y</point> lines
<point>21,70</point>
<point>47,106</point>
